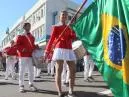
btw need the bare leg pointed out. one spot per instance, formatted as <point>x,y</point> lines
<point>72,69</point>
<point>59,68</point>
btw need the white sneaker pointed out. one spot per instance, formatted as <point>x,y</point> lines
<point>6,78</point>
<point>32,88</point>
<point>21,89</point>
<point>14,78</point>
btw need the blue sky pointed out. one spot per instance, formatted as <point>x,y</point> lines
<point>12,10</point>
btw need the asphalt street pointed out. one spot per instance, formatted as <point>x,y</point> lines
<point>46,87</point>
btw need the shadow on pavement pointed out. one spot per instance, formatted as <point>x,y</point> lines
<point>78,93</point>
<point>44,81</point>
<point>89,94</point>
<point>98,81</point>
<point>43,91</point>
<point>7,83</point>
<point>79,77</point>
<point>94,86</point>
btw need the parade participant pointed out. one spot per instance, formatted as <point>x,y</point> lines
<point>65,74</point>
<point>37,54</point>
<point>88,67</point>
<point>62,52</point>
<point>37,72</point>
<point>25,46</point>
<point>10,53</point>
<point>4,61</point>
<point>50,68</point>
<point>1,64</point>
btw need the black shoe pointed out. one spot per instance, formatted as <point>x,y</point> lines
<point>52,75</point>
<point>87,80</point>
<point>61,95</point>
<point>37,77</point>
<point>67,84</point>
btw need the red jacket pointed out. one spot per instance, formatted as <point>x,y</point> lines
<point>11,51</point>
<point>24,45</point>
<point>65,41</point>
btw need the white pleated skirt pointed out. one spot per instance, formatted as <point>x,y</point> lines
<point>63,54</point>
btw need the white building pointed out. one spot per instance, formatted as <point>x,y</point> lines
<point>42,16</point>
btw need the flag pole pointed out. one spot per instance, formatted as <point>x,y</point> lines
<point>78,11</point>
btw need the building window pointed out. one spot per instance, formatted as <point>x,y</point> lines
<point>38,33</point>
<point>54,14</point>
<point>43,10</point>
<point>42,13</point>
<point>41,30</point>
<point>37,17</point>
<point>34,18</point>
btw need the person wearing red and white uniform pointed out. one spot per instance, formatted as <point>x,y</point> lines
<point>10,53</point>
<point>62,52</point>
<point>88,67</point>
<point>65,74</point>
<point>1,64</point>
<point>50,65</point>
<point>37,54</point>
<point>25,46</point>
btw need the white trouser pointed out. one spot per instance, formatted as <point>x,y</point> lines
<point>50,68</point>
<point>37,71</point>
<point>65,73</point>
<point>10,67</point>
<point>25,63</point>
<point>88,67</point>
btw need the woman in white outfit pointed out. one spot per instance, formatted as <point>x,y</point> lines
<point>62,52</point>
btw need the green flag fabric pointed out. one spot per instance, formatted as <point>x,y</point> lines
<point>104,31</point>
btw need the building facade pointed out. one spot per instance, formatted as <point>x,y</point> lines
<point>42,16</point>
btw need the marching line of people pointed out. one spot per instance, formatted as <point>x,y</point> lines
<point>61,60</point>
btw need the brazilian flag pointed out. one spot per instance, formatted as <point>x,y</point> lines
<point>104,31</point>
